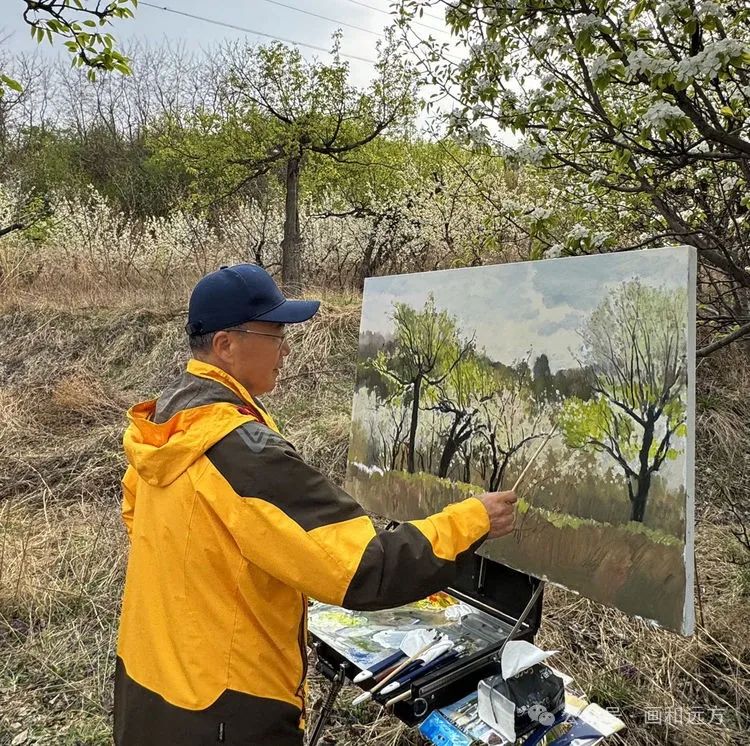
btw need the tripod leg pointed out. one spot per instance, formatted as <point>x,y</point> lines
<point>325,713</point>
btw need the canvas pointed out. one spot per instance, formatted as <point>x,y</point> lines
<point>462,375</point>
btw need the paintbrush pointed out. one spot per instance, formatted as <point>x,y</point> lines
<point>368,695</point>
<point>533,458</point>
<point>400,698</point>
<point>517,529</point>
<point>377,668</point>
<point>421,670</point>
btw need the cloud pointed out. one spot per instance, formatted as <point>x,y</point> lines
<point>571,321</point>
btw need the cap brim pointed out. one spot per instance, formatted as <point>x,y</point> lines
<point>291,312</point>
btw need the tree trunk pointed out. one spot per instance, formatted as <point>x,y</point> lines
<point>467,466</point>
<point>459,434</point>
<point>498,471</point>
<point>496,475</point>
<point>4,230</point>
<point>413,426</point>
<point>365,266</point>
<point>396,443</point>
<point>638,503</point>
<point>638,506</point>
<point>291,245</point>
<point>449,449</point>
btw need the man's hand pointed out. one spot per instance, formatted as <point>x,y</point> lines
<point>500,507</point>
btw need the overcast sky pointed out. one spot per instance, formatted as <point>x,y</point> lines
<point>154,25</point>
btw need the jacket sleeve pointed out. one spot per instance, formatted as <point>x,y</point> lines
<point>129,482</point>
<point>290,520</point>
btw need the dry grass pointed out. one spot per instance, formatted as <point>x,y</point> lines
<point>62,572</point>
<point>66,376</point>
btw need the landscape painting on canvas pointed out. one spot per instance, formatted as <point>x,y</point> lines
<point>464,373</point>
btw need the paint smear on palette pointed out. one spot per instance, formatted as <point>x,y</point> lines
<point>366,638</point>
<point>463,373</point>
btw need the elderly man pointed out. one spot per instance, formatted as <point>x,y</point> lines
<point>230,532</point>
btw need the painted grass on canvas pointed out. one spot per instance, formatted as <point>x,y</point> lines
<point>628,566</point>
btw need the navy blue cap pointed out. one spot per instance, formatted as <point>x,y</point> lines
<point>235,295</point>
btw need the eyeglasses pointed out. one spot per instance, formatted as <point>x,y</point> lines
<point>282,337</point>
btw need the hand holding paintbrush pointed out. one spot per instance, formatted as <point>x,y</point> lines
<point>500,506</point>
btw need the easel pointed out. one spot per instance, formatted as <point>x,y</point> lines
<point>326,711</point>
<point>476,662</point>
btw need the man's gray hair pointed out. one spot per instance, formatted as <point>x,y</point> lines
<point>201,342</point>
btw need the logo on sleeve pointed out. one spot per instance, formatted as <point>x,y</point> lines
<point>254,436</point>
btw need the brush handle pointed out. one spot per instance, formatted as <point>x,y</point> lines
<point>400,668</point>
<point>377,668</point>
<point>532,460</point>
<point>418,671</point>
<point>399,698</point>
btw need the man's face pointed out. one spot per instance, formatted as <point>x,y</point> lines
<point>253,354</point>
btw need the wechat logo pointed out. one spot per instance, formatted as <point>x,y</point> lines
<point>540,714</point>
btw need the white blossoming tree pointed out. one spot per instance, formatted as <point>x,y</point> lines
<point>638,110</point>
<point>634,353</point>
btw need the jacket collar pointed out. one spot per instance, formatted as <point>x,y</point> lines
<point>212,373</point>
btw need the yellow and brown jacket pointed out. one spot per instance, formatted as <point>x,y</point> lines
<point>230,531</point>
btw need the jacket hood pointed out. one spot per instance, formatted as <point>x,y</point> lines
<point>166,435</point>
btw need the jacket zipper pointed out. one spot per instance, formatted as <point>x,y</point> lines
<point>303,653</point>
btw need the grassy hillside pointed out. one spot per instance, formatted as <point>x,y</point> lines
<point>68,372</point>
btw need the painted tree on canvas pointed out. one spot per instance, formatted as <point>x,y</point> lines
<point>391,425</point>
<point>427,348</point>
<point>460,397</point>
<point>634,349</point>
<point>510,420</point>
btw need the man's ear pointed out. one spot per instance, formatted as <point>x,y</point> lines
<point>221,345</point>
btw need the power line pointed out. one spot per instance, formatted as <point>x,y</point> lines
<point>325,18</point>
<point>392,15</point>
<point>352,25</point>
<point>235,27</point>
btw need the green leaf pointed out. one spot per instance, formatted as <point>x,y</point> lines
<point>14,85</point>
<point>640,6</point>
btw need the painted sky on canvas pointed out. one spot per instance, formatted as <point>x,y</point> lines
<point>547,300</point>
